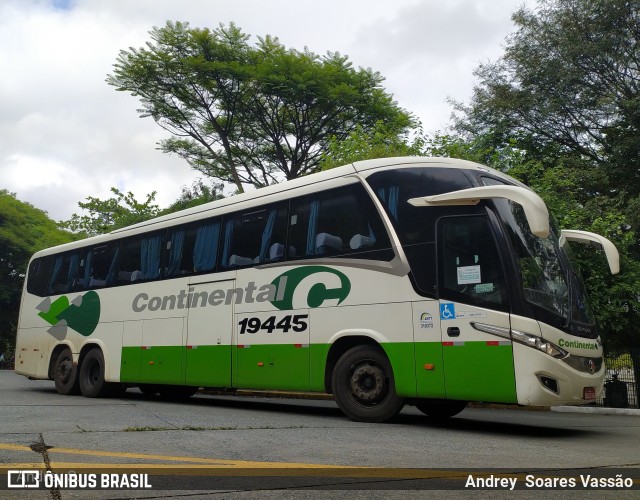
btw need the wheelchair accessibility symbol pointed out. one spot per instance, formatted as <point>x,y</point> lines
<point>447,311</point>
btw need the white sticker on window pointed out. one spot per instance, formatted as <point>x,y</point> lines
<point>468,275</point>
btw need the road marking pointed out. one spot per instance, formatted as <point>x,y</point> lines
<point>168,458</point>
<point>198,466</point>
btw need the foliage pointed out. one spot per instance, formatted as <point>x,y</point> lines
<point>618,362</point>
<point>124,210</point>
<point>198,194</point>
<point>24,230</point>
<point>481,149</point>
<point>113,213</point>
<point>568,86</point>
<point>380,142</point>
<point>250,114</point>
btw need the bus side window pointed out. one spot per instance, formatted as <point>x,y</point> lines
<point>470,269</point>
<point>99,267</point>
<point>192,248</point>
<point>254,237</point>
<point>38,277</point>
<point>205,238</point>
<point>342,221</point>
<point>140,258</point>
<point>63,274</point>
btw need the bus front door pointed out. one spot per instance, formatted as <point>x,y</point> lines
<point>474,318</point>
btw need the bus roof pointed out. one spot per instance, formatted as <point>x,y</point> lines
<point>320,177</point>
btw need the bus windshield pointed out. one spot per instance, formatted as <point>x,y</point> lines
<point>550,275</point>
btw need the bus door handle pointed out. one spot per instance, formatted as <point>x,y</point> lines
<point>453,331</point>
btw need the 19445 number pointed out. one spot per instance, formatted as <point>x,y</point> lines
<point>297,323</point>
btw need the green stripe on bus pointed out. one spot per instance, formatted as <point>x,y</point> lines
<point>475,371</point>
<point>480,371</point>
<point>429,370</point>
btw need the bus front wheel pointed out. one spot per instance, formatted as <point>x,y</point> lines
<point>65,373</point>
<point>440,408</point>
<point>363,385</point>
<point>92,384</point>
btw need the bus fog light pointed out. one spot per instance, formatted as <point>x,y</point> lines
<point>549,383</point>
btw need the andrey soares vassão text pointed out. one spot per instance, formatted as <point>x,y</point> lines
<point>531,481</point>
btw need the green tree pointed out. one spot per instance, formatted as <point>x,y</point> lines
<point>24,230</point>
<point>116,212</point>
<point>568,85</point>
<point>198,194</point>
<point>379,142</point>
<point>250,114</point>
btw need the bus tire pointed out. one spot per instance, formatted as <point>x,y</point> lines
<point>65,373</point>
<point>440,408</point>
<point>92,384</point>
<point>363,385</point>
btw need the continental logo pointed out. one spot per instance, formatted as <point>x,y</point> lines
<point>577,344</point>
<point>81,315</point>
<point>313,285</point>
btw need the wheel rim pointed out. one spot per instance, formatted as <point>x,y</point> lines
<point>64,371</point>
<point>368,383</point>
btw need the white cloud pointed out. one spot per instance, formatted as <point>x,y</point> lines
<point>65,134</point>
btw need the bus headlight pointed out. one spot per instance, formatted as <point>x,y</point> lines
<point>539,343</point>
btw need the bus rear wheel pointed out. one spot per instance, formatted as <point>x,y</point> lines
<point>440,408</point>
<point>92,383</point>
<point>65,373</point>
<point>363,385</point>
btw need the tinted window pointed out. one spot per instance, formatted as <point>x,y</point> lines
<point>140,258</point>
<point>38,276</point>
<point>254,237</point>
<point>416,226</point>
<point>395,187</point>
<point>99,267</point>
<point>470,269</point>
<point>338,222</point>
<point>63,273</point>
<point>192,248</point>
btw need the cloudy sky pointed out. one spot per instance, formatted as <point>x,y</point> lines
<point>65,134</point>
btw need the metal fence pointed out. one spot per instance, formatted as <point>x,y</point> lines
<point>620,387</point>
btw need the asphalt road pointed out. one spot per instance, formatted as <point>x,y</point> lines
<point>299,447</point>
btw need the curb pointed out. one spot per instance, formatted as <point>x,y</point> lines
<point>596,410</point>
<point>319,396</point>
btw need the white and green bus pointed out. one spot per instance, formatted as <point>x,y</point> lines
<point>424,281</point>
